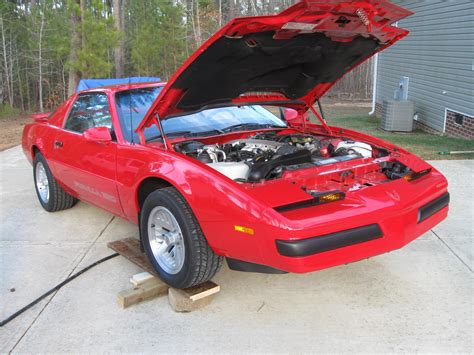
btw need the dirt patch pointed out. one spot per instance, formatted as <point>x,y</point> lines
<point>10,131</point>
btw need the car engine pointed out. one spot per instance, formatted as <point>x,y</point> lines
<point>266,155</point>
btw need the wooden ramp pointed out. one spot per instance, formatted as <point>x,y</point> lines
<point>146,287</point>
<point>129,248</point>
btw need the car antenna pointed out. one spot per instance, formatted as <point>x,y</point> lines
<point>130,109</point>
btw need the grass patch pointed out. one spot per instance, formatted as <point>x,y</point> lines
<point>6,111</point>
<point>418,142</point>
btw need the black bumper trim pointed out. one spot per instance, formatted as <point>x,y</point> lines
<point>432,207</point>
<point>327,242</point>
<point>239,265</point>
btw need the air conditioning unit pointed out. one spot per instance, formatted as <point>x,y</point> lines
<point>397,116</point>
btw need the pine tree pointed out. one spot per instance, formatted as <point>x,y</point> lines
<point>47,46</point>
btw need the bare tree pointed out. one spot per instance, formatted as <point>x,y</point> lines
<point>254,7</point>
<point>8,78</point>
<point>76,44</point>
<point>20,86</point>
<point>195,22</point>
<point>40,61</point>
<point>198,25</point>
<point>119,50</point>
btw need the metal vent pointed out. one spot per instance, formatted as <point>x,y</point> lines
<point>397,116</point>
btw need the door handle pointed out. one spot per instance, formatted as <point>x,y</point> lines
<point>58,144</point>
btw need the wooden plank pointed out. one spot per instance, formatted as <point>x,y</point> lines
<point>130,249</point>
<point>141,278</point>
<point>147,291</point>
<point>150,286</point>
<point>203,290</point>
<point>193,298</point>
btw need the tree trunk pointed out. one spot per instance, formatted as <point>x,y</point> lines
<point>189,25</point>
<point>220,14</point>
<point>40,63</point>
<point>120,48</point>
<point>10,49</point>
<point>237,9</point>
<point>20,85</point>
<point>193,24</point>
<point>28,98</point>
<point>76,43</point>
<point>82,6</point>
<point>7,71</point>
<point>198,26</point>
<point>254,8</point>
<point>63,80</point>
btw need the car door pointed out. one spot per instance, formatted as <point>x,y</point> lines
<point>88,168</point>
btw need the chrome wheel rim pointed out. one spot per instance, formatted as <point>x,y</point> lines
<point>166,240</point>
<point>42,183</point>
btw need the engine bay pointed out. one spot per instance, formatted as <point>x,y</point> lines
<point>270,155</point>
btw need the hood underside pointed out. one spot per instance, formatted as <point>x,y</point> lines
<point>257,63</point>
<point>288,59</point>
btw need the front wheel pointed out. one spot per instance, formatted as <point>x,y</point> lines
<point>174,242</point>
<point>51,196</point>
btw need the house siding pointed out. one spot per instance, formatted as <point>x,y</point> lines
<point>438,58</point>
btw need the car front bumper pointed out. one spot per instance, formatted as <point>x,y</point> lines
<point>321,251</point>
<point>333,241</point>
<point>368,222</point>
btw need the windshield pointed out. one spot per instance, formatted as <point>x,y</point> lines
<point>132,106</point>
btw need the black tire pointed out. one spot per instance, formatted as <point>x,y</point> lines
<point>200,262</point>
<point>58,198</point>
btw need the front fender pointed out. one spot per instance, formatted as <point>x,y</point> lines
<point>218,203</point>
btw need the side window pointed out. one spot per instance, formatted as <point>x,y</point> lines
<point>89,110</point>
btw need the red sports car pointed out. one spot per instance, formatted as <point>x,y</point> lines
<point>222,160</point>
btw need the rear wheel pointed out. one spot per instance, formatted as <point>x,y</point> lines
<point>174,242</point>
<point>51,196</point>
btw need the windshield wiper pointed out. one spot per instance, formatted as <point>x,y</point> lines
<point>204,133</point>
<point>186,134</point>
<point>172,134</point>
<point>249,126</point>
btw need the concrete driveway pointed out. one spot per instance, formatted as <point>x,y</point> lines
<point>418,298</point>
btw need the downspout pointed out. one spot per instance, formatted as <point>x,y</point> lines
<point>374,85</point>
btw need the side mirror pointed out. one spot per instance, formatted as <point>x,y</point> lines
<point>99,135</point>
<point>290,114</point>
<point>40,117</point>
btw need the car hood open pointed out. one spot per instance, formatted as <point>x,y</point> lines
<point>290,59</point>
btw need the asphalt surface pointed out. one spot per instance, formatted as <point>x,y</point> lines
<point>417,299</point>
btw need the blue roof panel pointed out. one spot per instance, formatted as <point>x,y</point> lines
<point>86,84</point>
